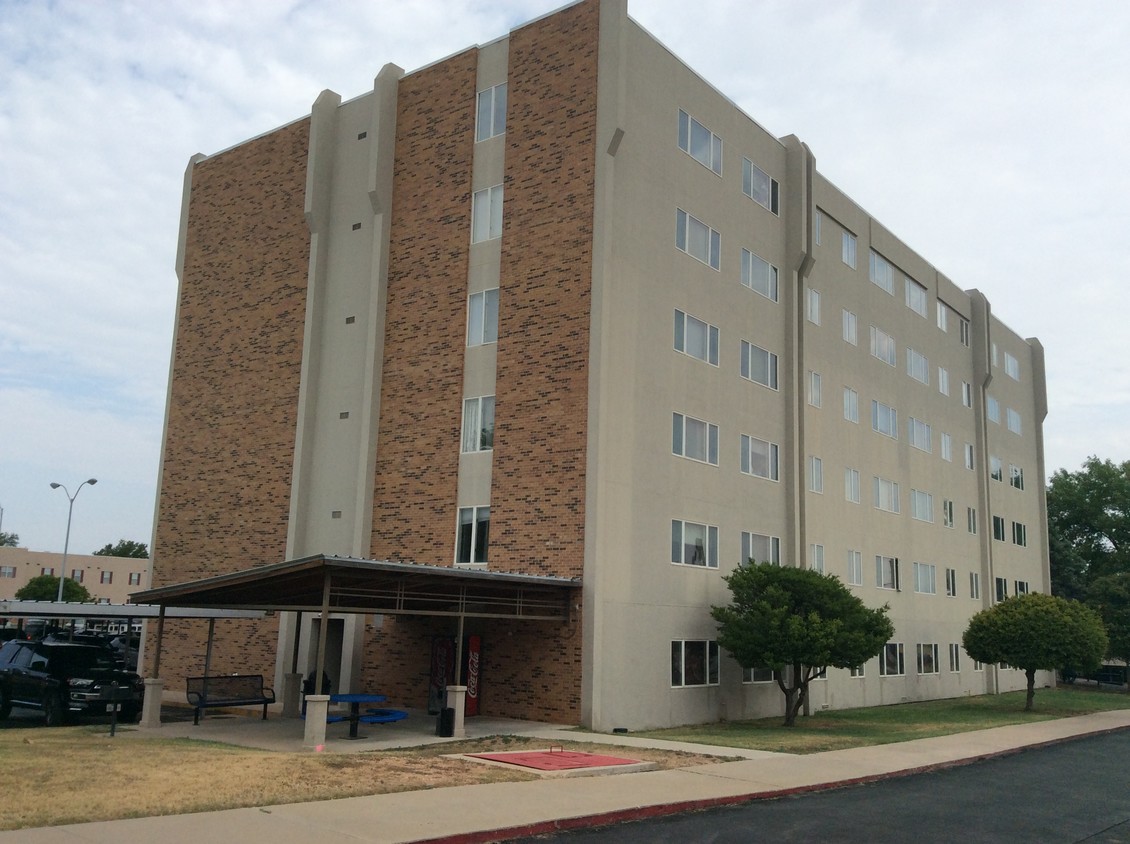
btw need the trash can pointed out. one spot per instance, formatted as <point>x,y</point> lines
<point>445,723</point>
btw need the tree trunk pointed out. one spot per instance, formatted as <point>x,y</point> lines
<point>1031,675</point>
<point>794,695</point>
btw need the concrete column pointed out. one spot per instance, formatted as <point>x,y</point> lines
<point>151,708</point>
<point>317,706</point>
<point>457,700</point>
<point>292,695</point>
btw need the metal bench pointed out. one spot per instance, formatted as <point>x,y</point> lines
<point>225,690</point>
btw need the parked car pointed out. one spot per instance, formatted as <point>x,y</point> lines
<point>61,678</point>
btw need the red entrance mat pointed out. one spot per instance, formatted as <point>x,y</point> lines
<point>554,760</point>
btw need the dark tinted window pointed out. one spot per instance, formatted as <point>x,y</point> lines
<point>76,660</point>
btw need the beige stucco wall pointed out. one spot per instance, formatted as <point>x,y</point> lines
<point>25,565</point>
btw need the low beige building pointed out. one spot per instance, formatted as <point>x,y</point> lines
<point>109,580</point>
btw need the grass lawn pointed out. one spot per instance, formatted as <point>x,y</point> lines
<point>897,722</point>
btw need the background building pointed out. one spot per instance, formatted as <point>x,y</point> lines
<point>554,305</point>
<point>109,580</point>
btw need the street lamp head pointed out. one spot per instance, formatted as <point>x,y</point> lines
<point>92,481</point>
<point>55,485</point>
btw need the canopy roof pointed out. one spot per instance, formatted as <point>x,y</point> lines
<point>352,585</point>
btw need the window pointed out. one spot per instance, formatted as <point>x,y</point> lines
<point>947,512</point>
<point>951,583</point>
<point>759,458</point>
<point>694,663</point>
<point>887,572</point>
<point>881,272</point>
<point>974,585</point>
<point>757,674</point>
<point>47,570</point>
<point>1019,534</point>
<point>994,354</point>
<point>971,519</point>
<point>106,577</point>
<point>491,113</point>
<point>884,419</point>
<point>963,330</point>
<point>1015,476</point>
<point>816,557</point>
<point>851,405</point>
<point>482,317</point>
<point>1021,587</point>
<point>855,567</point>
<point>925,578</point>
<point>1002,588</point>
<point>758,365</point>
<point>969,455</point>
<point>700,143</point>
<point>694,544</point>
<point>920,434</point>
<point>943,316</point>
<point>478,424</point>
<point>696,338</point>
<point>916,297</point>
<point>812,305</point>
<point>998,528</point>
<point>818,220</point>
<point>883,346</point>
<point>966,394</point>
<point>851,328</point>
<point>1011,367</point>
<point>921,505</point>
<point>955,656</point>
<point>759,187</point>
<point>943,381</point>
<point>851,485</point>
<point>694,439</point>
<point>474,534</point>
<point>977,666</point>
<point>759,548</point>
<point>847,250</point>
<point>885,495</point>
<point>947,447</point>
<point>815,389</point>
<point>815,474</point>
<point>1013,420</point>
<point>856,671</point>
<point>890,660</point>
<point>697,239</point>
<point>135,578</point>
<point>77,575</point>
<point>7,572</point>
<point>759,275</point>
<point>995,470</point>
<point>992,409</point>
<point>917,366</point>
<point>486,214</point>
<point>928,659</point>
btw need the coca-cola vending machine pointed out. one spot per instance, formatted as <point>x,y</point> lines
<point>472,672</point>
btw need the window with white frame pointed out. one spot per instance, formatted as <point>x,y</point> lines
<point>998,528</point>
<point>920,434</point>
<point>885,495</point>
<point>943,381</point>
<point>473,535</point>
<point>817,224</point>
<point>759,187</point>
<point>886,572</point>
<point>884,419</point>
<point>478,424</point>
<point>890,660</point>
<point>757,674</point>
<point>1021,587</point>
<point>854,567</point>
<point>925,578</point>
<point>856,671</point>
<point>917,366</point>
<point>969,456</point>
<point>693,544</point>
<point>851,405</point>
<point>759,275</point>
<point>996,472</point>
<point>48,570</point>
<point>947,512</point>
<point>694,439</point>
<point>759,458</point>
<point>851,485</point>
<point>847,249</point>
<point>760,548</point>
<point>975,585</point>
<point>694,663</point>
<point>915,296</point>
<point>943,316</point>
<point>955,656</point>
<point>951,583</point>
<point>1002,588</point>
<point>700,143</point>
<point>7,572</point>
<point>994,354</point>
<point>1011,367</point>
<point>815,389</point>
<point>758,365</point>
<point>881,272</point>
<point>815,474</point>
<point>883,346</point>
<point>851,328</point>
<point>490,115</point>
<point>1013,420</point>
<point>928,658</point>
<point>812,305</point>
<point>77,575</point>
<point>993,409</point>
<point>697,239</point>
<point>963,330</point>
<point>947,447</point>
<point>482,317</point>
<point>696,338</point>
<point>486,214</point>
<point>1019,534</point>
<point>1015,476</point>
<point>966,394</point>
<point>921,505</point>
<point>106,577</point>
<point>135,578</point>
<point>816,557</point>
<point>971,519</point>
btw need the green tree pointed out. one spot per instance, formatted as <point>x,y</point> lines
<point>9,540</point>
<point>46,588</point>
<point>124,548</point>
<point>1037,632</point>
<point>1110,595</point>
<point>797,622</point>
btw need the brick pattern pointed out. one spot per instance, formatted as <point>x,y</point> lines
<point>228,452</point>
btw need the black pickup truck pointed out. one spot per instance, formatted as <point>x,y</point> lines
<point>63,678</point>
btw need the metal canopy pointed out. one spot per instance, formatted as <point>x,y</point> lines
<point>373,586</point>
<point>51,609</point>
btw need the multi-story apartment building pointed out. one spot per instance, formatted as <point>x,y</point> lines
<point>109,580</point>
<point>555,305</point>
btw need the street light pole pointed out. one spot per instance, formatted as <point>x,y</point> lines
<point>67,541</point>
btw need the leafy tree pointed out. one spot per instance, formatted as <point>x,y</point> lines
<point>1037,632</point>
<point>1110,595</point>
<point>797,622</point>
<point>124,548</point>
<point>9,540</point>
<point>46,588</point>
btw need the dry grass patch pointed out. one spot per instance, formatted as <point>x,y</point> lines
<point>78,774</point>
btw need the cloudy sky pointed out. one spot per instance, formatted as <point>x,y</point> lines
<point>990,136</point>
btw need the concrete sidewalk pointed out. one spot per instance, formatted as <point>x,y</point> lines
<point>496,811</point>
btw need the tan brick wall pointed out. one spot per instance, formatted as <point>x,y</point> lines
<point>229,446</point>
